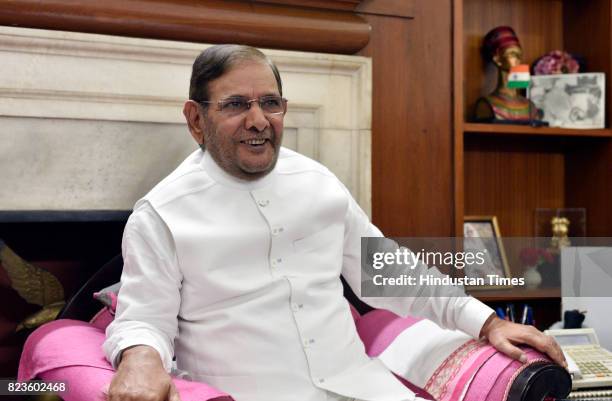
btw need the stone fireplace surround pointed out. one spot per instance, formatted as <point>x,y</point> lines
<point>92,122</point>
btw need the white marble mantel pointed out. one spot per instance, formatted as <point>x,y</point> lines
<point>94,121</point>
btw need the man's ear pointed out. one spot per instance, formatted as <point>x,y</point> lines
<point>194,120</point>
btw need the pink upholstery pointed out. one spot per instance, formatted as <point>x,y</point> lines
<point>71,351</point>
<point>494,377</point>
<point>103,318</point>
<point>486,373</point>
<point>379,328</point>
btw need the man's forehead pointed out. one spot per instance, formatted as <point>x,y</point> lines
<point>246,78</point>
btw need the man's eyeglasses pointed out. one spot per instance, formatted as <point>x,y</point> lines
<point>269,105</point>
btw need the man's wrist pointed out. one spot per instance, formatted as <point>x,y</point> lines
<point>137,351</point>
<point>488,324</point>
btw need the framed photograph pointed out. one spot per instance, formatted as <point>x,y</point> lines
<point>570,100</point>
<point>481,233</point>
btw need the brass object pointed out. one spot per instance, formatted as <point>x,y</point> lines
<point>34,285</point>
<point>46,314</point>
<point>560,230</point>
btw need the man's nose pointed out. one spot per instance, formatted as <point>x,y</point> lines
<point>255,118</point>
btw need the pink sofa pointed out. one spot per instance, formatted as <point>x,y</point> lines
<point>71,350</point>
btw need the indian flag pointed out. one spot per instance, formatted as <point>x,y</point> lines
<point>519,77</point>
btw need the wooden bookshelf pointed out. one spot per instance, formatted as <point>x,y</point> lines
<point>510,170</point>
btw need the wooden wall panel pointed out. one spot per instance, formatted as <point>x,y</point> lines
<point>411,121</point>
<point>510,178</point>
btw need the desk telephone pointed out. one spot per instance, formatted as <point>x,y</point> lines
<point>589,364</point>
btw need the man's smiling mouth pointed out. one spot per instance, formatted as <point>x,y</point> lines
<point>255,142</point>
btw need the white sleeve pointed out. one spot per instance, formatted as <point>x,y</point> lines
<point>452,312</point>
<point>149,298</point>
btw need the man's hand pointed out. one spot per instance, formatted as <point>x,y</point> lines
<point>503,335</point>
<point>141,377</point>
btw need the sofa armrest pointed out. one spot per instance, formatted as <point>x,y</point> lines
<point>450,365</point>
<point>71,351</point>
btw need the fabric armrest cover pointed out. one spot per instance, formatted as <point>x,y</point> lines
<point>449,365</point>
<point>71,351</point>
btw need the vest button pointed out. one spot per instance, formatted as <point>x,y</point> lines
<point>263,202</point>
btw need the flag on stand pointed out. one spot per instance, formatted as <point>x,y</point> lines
<point>519,77</point>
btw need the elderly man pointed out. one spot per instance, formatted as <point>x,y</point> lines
<point>233,262</point>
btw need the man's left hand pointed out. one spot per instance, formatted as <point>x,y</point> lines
<point>503,335</point>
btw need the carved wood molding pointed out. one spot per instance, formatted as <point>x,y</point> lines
<point>344,5</point>
<point>210,21</point>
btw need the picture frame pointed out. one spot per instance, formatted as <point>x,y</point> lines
<point>570,100</point>
<point>482,233</point>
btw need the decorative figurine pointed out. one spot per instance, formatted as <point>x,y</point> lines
<point>505,104</point>
<point>560,229</point>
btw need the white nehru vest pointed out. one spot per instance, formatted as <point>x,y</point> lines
<point>251,290</point>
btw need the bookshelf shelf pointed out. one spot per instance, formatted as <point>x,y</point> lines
<point>508,129</point>
<point>512,294</point>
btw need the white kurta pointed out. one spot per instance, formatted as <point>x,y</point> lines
<point>240,280</point>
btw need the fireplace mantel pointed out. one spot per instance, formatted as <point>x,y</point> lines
<point>92,122</point>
